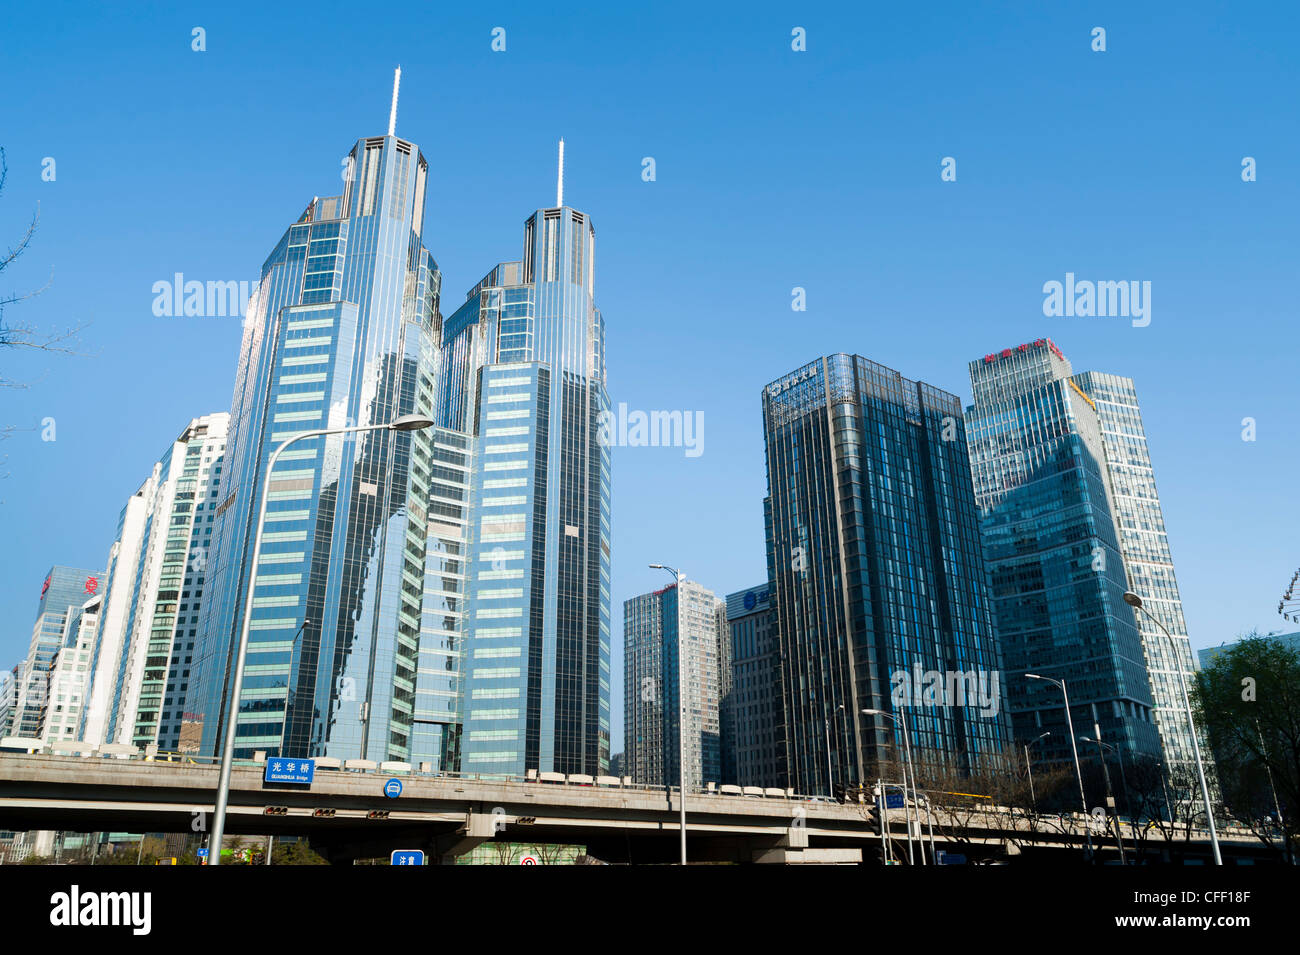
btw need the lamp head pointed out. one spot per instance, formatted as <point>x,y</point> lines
<point>411,422</point>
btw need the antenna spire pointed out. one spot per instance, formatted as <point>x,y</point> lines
<point>559,179</point>
<point>392,113</point>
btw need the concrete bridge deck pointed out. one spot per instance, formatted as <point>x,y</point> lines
<point>346,815</point>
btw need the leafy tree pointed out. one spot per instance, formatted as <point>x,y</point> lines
<point>298,852</point>
<point>1248,702</point>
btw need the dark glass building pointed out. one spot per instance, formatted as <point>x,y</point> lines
<point>879,580</point>
<point>1057,570</point>
<point>753,730</point>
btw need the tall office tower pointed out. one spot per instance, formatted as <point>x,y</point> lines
<point>156,567</point>
<point>64,591</point>
<point>879,581</point>
<point>1058,576</point>
<point>1144,544</point>
<point>115,613</point>
<point>70,674</point>
<point>341,332</point>
<point>726,727</point>
<point>657,633</point>
<point>753,732</point>
<point>523,372</point>
<point>643,679</point>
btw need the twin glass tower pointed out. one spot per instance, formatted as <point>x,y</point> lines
<point>436,596</point>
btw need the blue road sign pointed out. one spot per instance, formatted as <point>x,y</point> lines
<point>393,788</point>
<point>949,858</point>
<point>281,770</point>
<point>893,800</point>
<point>203,853</point>
<point>407,857</point>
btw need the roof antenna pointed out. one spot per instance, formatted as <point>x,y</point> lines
<point>392,113</point>
<point>559,179</point>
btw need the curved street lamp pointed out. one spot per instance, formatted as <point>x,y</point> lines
<point>681,704</point>
<point>410,422</point>
<point>1134,601</point>
<point>1069,722</point>
<point>1030,770</point>
<point>907,809</point>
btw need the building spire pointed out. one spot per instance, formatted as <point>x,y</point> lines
<point>392,112</point>
<point>559,179</point>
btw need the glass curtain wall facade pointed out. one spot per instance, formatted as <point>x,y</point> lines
<point>523,372</point>
<point>1058,576</point>
<point>341,332</point>
<point>1148,561</point>
<point>754,740</point>
<point>447,572</point>
<point>874,556</point>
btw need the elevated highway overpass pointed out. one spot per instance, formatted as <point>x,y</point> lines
<point>346,815</point>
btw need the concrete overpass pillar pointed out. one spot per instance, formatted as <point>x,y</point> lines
<point>479,828</point>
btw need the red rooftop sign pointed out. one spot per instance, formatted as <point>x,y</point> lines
<point>1036,343</point>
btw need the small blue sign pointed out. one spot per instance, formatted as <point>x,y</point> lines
<point>393,788</point>
<point>949,858</point>
<point>203,853</point>
<point>893,800</point>
<point>407,857</point>
<point>281,770</point>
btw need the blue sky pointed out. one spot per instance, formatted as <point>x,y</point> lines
<point>775,169</point>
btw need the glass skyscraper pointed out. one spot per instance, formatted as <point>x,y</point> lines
<point>1148,561</point>
<point>341,332</point>
<point>523,373</point>
<point>62,595</point>
<point>753,728</point>
<point>440,596</point>
<point>1043,486</point>
<point>878,577</point>
<point>662,631</point>
<point>70,675</point>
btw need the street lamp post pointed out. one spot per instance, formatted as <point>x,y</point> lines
<point>907,750</point>
<point>1105,772</point>
<point>1123,780</point>
<point>1069,722</point>
<point>1263,749</point>
<point>1133,600</point>
<point>681,706</point>
<point>1033,801</point>
<point>404,423</point>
